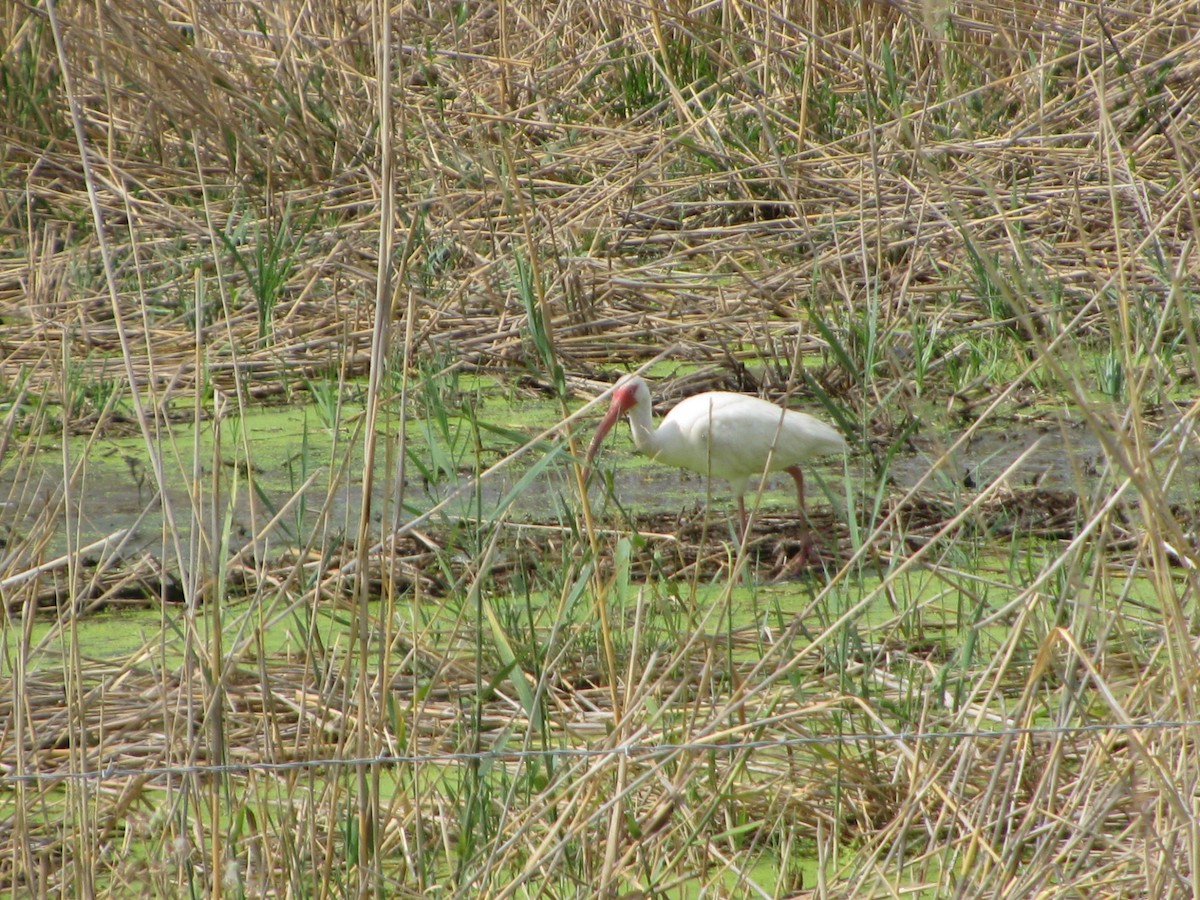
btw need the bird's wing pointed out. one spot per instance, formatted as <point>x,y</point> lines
<point>734,435</point>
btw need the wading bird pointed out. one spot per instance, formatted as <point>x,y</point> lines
<point>730,436</point>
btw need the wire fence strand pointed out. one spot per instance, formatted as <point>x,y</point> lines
<point>633,752</point>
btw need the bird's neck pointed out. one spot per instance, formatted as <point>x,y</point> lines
<point>641,423</point>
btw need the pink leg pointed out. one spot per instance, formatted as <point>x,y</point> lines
<point>798,477</point>
<point>809,551</point>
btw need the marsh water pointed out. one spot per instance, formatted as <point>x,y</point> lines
<point>291,478</point>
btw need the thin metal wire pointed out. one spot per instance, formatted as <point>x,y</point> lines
<point>630,751</point>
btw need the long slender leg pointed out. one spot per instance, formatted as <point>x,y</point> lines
<point>809,546</point>
<point>798,477</point>
<point>742,515</point>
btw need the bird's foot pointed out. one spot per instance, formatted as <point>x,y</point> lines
<point>793,556</point>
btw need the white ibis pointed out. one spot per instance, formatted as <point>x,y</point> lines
<point>731,436</point>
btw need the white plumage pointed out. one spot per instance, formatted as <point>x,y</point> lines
<point>730,436</point>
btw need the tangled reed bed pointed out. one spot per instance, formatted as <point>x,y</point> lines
<point>690,544</point>
<point>649,247</point>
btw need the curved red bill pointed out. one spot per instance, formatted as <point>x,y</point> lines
<point>621,402</point>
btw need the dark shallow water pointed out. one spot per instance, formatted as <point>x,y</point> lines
<point>118,492</point>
